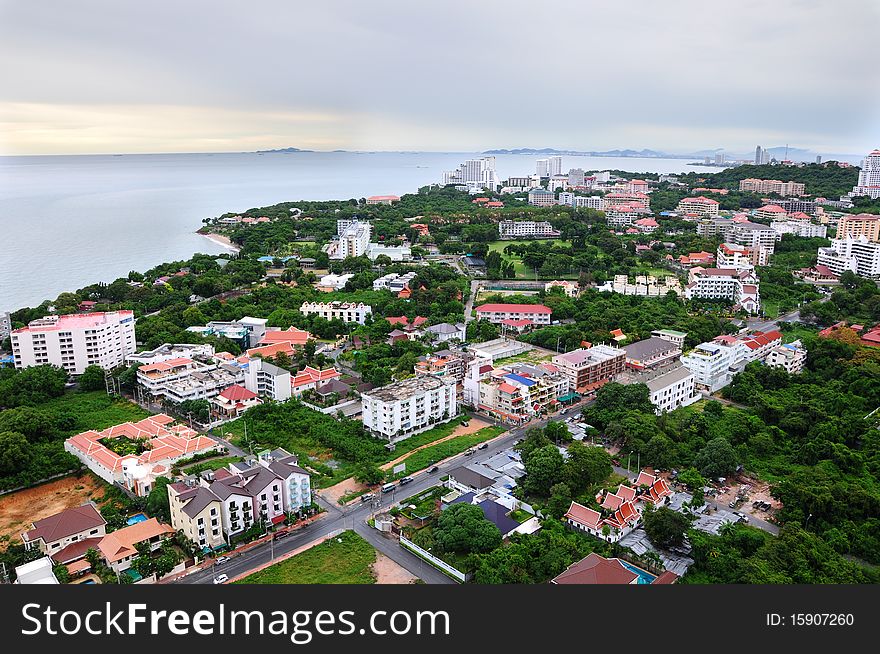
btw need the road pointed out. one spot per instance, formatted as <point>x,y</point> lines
<point>770,325</point>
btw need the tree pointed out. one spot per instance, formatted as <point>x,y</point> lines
<point>534,439</point>
<point>544,468</point>
<point>560,500</point>
<point>157,501</point>
<point>14,453</point>
<point>92,379</point>
<point>717,458</point>
<point>463,528</point>
<point>665,527</point>
<point>369,473</point>
<point>586,466</point>
<point>557,431</point>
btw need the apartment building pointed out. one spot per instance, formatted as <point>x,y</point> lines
<point>474,175</point>
<point>771,186</point>
<point>791,357</point>
<point>669,386</point>
<point>628,199</point>
<point>383,199</point>
<point>712,365</point>
<point>344,311</point>
<point>540,197</point>
<point>862,224</point>
<point>710,227</point>
<point>353,239</point>
<point>700,206</point>
<point>623,215</point>
<point>651,353</point>
<point>179,380</point>
<point>673,336</point>
<point>247,332</point>
<point>407,407</point>
<point>394,282</point>
<point>496,313</point>
<point>590,368</point>
<point>75,341</point>
<point>869,177</point>
<point>512,229</point>
<point>753,235</point>
<point>516,393</point>
<point>447,364</point>
<point>738,257</point>
<point>198,513</point>
<point>802,228</point>
<point>268,380</point>
<point>168,351</point>
<point>739,287</point>
<point>794,205</point>
<point>858,255</point>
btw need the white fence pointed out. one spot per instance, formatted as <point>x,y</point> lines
<point>456,574</point>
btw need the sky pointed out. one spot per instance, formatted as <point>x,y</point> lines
<point>103,76</point>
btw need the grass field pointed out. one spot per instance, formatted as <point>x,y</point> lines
<point>431,455</point>
<point>522,271</point>
<point>95,410</point>
<point>332,562</point>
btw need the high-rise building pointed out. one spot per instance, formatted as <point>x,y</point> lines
<point>859,255</point>
<point>869,177</point>
<point>759,155</point>
<point>542,168</point>
<point>354,238</point>
<point>555,164</point>
<point>576,177</point>
<point>862,224</point>
<point>75,341</point>
<point>476,174</point>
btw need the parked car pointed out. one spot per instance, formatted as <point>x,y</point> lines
<point>433,469</point>
<point>405,480</point>
<point>221,560</point>
<point>465,423</point>
<point>221,579</point>
<point>732,503</point>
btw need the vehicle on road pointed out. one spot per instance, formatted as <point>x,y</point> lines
<point>482,446</point>
<point>366,497</point>
<point>433,469</point>
<point>469,452</point>
<point>405,480</point>
<point>387,488</point>
<point>282,534</point>
<point>221,579</point>
<point>221,560</point>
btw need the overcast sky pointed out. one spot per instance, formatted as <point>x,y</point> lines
<point>97,76</point>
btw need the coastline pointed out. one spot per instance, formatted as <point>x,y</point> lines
<point>221,240</point>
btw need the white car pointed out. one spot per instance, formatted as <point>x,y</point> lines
<point>221,559</point>
<point>221,579</point>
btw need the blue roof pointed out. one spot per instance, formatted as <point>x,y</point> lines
<point>266,259</point>
<point>525,381</point>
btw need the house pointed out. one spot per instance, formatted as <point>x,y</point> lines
<point>568,288</point>
<point>310,378</point>
<point>697,259</point>
<point>446,332</point>
<point>36,572</point>
<point>52,534</point>
<point>119,548</point>
<point>295,337</point>
<point>596,569</point>
<point>233,401</point>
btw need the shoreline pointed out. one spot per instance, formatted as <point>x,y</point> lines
<point>221,240</point>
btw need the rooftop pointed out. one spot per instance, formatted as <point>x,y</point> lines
<point>405,389</point>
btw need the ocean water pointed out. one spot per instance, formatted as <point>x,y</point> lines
<point>69,221</point>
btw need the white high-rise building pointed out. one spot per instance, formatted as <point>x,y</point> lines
<point>476,174</point>
<point>407,407</point>
<point>75,341</point>
<point>759,151</point>
<point>555,165</point>
<point>859,255</point>
<point>542,168</point>
<point>869,177</point>
<point>354,238</point>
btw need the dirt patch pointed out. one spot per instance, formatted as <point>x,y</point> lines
<point>344,487</point>
<point>387,571</point>
<point>18,510</point>
<point>474,425</point>
<point>759,491</point>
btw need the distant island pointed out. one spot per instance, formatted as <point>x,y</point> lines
<point>282,151</point>
<point>606,153</point>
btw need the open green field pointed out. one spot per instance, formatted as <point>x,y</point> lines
<point>431,455</point>
<point>522,271</point>
<point>332,562</point>
<point>95,410</point>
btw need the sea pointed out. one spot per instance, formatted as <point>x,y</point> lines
<point>67,221</point>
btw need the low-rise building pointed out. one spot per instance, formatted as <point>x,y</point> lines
<point>569,288</point>
<point>167,351</point>
<point>179,380</point>
<point>233,401</point>
<point>739,287</point>
<point>53,534</point>
<point>712,365</point>
<point>791,357</point>
<point>714,226</point>
<point>516,393</point>
<point>771,186</point>
<point>344,311</point>
<point>246,332</point>
<point>119,548</point>
<point>407,407</point>
<point>801,228</point>
<point>739,257</point>
<point>862,224</point>
<point>540,197</point>
<point>447,331</point>
<point>700,206</point>
<point>512,229</point>
<point>268,380</point>
<point>495,313</point>
<point>650,353</point>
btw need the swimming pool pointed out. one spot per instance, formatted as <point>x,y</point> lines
<point>644,577</point>
<point>136,518</point>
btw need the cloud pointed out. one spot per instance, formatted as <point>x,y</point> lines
<point>103,76</point>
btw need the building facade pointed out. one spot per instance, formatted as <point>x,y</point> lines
<point>496,313</point>
<point>407,407</point>
<point>344,311</point>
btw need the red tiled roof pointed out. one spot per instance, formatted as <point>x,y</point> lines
<point>237,394</point>
<point>584,515</point>
<point>596,569</point>
<point>66,523</point>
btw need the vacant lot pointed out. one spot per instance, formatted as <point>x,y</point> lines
<point>18,510</point>
<point>344,559</point>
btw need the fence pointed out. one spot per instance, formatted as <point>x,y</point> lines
<point>444,567</point>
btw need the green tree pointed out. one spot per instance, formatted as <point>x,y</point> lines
<point>717,458</point>
<point>665,527</point>
<point>369,473</point>
<point>557,432</point>
<point>463,528</point>
<point>544,468</point>
<point>560,500</point>
<point>14,452</point>
<point>157,501</point>
<point>586,466</point>
<point>92,379</point>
